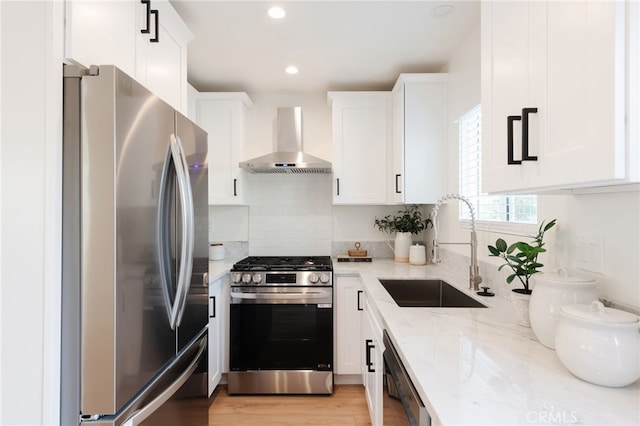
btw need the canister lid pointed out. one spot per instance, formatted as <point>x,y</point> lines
<point>598,313</point>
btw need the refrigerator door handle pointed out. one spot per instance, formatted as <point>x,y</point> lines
<point>175,161</point>
<point>163,232</point>
<point>186,253</point>
<point>140,415</point>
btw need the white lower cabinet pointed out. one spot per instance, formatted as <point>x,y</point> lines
<point>373,364</point>
<point>359,347</point>
<point>348,316</point>
<point>217,325</point>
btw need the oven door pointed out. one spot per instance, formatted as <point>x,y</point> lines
<point>281,328</point>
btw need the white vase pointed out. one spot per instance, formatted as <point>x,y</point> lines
<point>401,246</point>
<point>520,301</point>
<point>551,291</point>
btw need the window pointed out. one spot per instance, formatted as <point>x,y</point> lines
<point>489,208</point>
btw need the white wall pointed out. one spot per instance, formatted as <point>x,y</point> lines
<point>316,123</point>
<point>613,217</point>
<point>30,197</point>
<point>356,223</point>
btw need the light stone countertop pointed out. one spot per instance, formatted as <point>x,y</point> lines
<point>478,367</point>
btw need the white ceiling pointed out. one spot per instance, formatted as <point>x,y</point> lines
<point>337,45</point>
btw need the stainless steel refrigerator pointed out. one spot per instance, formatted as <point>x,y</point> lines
<point>135,256</point>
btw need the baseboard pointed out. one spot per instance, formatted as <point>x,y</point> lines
<point>347,379</point>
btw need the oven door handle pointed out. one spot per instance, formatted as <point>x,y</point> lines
<point>282,296</point>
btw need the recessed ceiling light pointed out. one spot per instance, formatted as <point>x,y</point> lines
<point>276,12</point>
<point>291,69</point>
<point>443,10</point>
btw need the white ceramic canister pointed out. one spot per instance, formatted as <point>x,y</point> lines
<point>401,246</point>
<point>551,290</point>
<point>599,345</point>
<point>417,255</point>
<point>216,251</point>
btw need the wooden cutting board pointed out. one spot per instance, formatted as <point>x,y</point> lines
<point>357,252</point>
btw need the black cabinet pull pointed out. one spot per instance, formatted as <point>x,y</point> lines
<point>235,187</point>
<point>525,134</point>
<point>368,346</point>
<point>337,186</point>
<point>147,3</point>
<point>397,190</point>
<point>359,307</point>
<point>510,120</point>
<point>157,20</point>
<point>213,304</point>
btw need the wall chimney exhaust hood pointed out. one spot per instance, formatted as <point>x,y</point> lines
<point>289,157</point>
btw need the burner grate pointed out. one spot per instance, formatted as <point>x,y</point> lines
<point>285,263</point>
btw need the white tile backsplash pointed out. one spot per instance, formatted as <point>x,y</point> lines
<point>290,214</point>
<point>228,223</point>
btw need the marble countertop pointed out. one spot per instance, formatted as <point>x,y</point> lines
<point>478,367</point>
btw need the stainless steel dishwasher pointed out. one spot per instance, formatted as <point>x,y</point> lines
<point>399,385</point>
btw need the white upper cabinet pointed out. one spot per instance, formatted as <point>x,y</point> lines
<point>161,54</point>
<point>147,40</point>
<point>418,163</point>
<point>222,116</point>
<point>362,125</point>
<point>559,89</point>
<point>102,32</point>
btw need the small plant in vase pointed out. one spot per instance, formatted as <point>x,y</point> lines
<point>405,223</point>
<point>522,259</point>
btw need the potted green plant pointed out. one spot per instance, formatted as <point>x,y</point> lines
<point>405,223</point>
<point>522,259</point>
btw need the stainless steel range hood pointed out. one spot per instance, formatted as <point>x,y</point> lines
<point>289,157</point>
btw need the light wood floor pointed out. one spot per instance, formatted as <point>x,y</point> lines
<point>347,406</point>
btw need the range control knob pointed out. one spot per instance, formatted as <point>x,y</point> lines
<point>257,278</point>
<point>236,277</point>
<point>324,278</point>
<point>246,278</point>
<point>313,278</point>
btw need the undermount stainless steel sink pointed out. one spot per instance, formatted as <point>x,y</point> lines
<point>427,293</point>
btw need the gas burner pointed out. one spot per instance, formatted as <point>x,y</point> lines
<point>284,263</point>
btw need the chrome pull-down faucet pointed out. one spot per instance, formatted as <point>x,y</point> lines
<point>474,275</point>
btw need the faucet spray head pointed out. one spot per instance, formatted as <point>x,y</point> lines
<point>474,277</point>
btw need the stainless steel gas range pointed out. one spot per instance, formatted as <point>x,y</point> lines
<point>281,326</point>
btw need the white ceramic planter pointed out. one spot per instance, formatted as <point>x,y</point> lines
<point>599,345</point>
<point>401,246</point>
<point>550,292</point>
<point>520,302</point>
